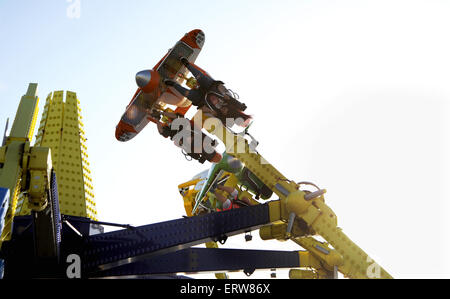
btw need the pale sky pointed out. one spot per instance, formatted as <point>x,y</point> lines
<point>351,95</point>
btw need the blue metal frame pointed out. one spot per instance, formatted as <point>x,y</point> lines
<point>206,259</point>
<point>160,249</point>
<point>4,204</point>
<point>109,250</point>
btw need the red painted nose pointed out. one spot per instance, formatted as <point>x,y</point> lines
<point>148,80</point>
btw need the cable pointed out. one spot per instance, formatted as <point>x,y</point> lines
<point>308,183</point>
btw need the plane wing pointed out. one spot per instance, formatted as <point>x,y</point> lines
<point>137,114</point>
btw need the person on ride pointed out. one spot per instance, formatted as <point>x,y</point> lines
<point>211,96</point>
<point>230,200</point>
<point>187,144</point>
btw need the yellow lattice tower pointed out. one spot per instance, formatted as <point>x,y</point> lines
<point>61,129</point>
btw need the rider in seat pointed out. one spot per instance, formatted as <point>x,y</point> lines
<point>212,96</point>
<point>187,144</point>
<point>231,200</point>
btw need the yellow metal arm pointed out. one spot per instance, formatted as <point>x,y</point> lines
<point>15,153</point>
<point>39,169</point>
<point>303,213</point>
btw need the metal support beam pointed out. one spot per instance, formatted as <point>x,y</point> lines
<point>14,154</point>
<point>109,250</point>
<point>47,227</point>
<point>206,259</point>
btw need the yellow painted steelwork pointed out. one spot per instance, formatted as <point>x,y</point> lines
<point>298,215</point>
<point>16,152</point>
<point>25,120</point>
<point>61,129</point>
<point>39,169</point>
<point>188,192</point>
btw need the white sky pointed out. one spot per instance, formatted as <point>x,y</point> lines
<point>352,95</point>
